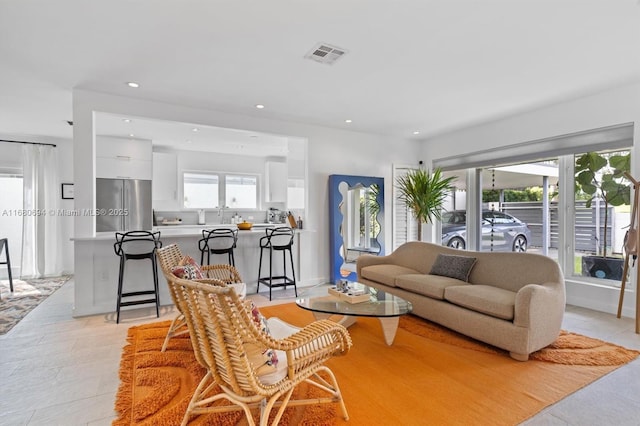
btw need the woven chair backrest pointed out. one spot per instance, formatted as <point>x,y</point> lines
<point>221,327</point>
<point>168,257</point>
<point>223,272</point>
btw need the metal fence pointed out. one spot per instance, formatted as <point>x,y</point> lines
<point>589,224</point>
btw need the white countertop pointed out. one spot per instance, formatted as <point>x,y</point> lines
<point>189,231</point>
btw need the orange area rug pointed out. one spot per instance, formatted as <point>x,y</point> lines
<point>430,375</point>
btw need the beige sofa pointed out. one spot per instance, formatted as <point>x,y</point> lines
<point>514,301</point>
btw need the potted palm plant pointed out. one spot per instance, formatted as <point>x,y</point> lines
<point>598,175</point>
<point>424,193</point>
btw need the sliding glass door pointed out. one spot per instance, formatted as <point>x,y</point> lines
<point>11,214</point>
<point>525,198</point>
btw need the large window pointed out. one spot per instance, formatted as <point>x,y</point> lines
<point>561,222</point>
<point>295,194</point>
<point>241,191</point>
<point>201,190</point>
<point>211,190</point>
<point>11,213</point>
<point>602,214</point>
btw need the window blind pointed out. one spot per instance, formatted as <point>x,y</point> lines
<point>604,138</point>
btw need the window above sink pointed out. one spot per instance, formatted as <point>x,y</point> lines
<point>208,190</point>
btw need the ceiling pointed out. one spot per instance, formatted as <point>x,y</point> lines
<point>191,137</point>
<point>411,66</point>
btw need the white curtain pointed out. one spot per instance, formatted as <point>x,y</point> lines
<point>40,228</point>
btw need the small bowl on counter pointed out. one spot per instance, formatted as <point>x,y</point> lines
<point>245,226</point>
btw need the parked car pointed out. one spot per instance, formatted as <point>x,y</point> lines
<point>509,233</point>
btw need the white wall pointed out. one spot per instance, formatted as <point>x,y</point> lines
<point>330,151</point>
<point>615,106</point>
<point>65,161</point>
<point>10,154</point>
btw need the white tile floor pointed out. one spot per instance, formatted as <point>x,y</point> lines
<point>60,370</point>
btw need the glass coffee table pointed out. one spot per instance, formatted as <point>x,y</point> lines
<point>384,306</point>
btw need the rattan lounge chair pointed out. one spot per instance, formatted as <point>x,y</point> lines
<point>222,330</point>
<point>170,256</point>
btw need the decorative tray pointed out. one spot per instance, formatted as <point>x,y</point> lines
<point>351,298</point>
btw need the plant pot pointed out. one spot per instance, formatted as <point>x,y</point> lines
<point>602,267</point>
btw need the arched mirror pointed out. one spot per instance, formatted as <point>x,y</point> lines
<point>356,218</point>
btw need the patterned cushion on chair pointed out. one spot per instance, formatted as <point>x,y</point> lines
<point>257,316</point>
<point>188,269</point>
<point>263,359</point>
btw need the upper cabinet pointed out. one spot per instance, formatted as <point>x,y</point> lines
<point>120,158</point>
<point>276,182</point>
<point>165,176</point>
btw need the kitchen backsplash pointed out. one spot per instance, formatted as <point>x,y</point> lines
<point>211,216</point>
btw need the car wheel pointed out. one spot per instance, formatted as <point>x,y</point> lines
<point>456,243</point>
<point>520,244</point>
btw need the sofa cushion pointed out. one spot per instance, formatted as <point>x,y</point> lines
<point>493,301</point>
<point>385,274</point>
<point>427,285</point>
<point>453,266</point>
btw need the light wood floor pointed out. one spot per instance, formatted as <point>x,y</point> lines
<point>60,370</point>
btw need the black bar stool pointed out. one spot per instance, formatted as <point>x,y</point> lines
<point>4,244</point>
<point>137,245</point>
<point>218,241</point>
<point>277,239</point>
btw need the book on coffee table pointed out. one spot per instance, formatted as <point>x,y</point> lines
<point>350,297</point>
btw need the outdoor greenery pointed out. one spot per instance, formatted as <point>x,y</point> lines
<point>602,175</point>
<point>424,193</point>
<point>370,198</point>
<point>533,193</point>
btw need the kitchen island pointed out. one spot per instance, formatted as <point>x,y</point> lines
<point>96,267</point>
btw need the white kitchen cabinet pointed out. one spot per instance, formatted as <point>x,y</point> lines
<point>165,176</point>
<point>119,158</point>
<point>276,181</point>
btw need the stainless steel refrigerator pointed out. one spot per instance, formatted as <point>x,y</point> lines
<point>123,205</point>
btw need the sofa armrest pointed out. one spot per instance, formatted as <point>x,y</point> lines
<point>370,259</point>
<point>540,308</point>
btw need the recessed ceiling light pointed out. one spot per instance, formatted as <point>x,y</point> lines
<point>126,120</point>
<point>260,106</point>
<point>195,129</point>
<point>347,121</point>
<point>133,84</point>
<point>131,135</point>
<point>416,132</point>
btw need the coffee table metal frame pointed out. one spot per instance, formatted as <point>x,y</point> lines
<point>384,306</point>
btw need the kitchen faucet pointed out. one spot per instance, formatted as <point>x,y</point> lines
<point>221,213</point>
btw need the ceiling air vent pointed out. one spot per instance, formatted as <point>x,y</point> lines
<point>325,53</point>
